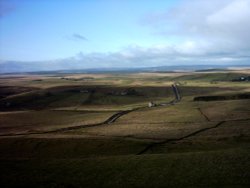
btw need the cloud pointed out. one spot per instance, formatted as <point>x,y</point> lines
<point>207,27</point>
<point>78,37</point>
<point>135,56</point>
<point>186,53</point>
<point>132,56</point>
<point>207,32</point>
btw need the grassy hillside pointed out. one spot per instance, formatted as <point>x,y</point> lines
<point>201,169</point>
<point>184,144</point>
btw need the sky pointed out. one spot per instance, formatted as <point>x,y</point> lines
<point>75,34</point>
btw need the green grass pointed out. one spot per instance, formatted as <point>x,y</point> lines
<point>106,155</point>
<point>226,110</point>
<point>44,99</point>
<point>225,168</point>
<point>33,121</point>
<point>66,147</point>
<point>71,96</point>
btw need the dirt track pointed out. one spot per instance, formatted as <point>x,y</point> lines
<point>110,120</point>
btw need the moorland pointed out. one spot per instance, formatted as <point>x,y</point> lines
<point>125,129</point>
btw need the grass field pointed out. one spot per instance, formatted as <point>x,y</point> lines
<point>56,130</point>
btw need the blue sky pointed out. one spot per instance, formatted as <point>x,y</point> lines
<point>45,29</point>
<point>124,33</point>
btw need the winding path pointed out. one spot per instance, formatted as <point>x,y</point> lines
<point>110,120</point>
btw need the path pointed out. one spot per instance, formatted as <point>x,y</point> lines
<point>110,120</point>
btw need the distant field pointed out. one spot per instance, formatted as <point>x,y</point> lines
<point>96,130</point>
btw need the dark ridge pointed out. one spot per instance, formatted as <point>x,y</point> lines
<point>150,146</point>
<point>221,97</point>
<point>203,114</point>
<point>154,144</point>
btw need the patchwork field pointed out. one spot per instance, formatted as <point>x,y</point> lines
<point>97,130</point>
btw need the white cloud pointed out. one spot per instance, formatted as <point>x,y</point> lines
<point>208,32</point>
<point>76,37</point>
<point>206,27</point>
<point>236,12</point>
